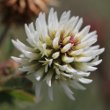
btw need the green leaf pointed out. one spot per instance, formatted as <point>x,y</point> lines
<point>22,95</point>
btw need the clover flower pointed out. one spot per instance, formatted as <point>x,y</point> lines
<point>59,52</point>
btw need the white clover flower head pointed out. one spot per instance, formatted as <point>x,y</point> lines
<point>59,51</point>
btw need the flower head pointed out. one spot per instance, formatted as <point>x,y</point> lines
<point>58,52</point>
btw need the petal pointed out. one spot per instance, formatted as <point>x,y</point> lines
<point>87,43</point>
<point>81,73</point>
<point>89,35</point>
<point>89,68</point>
<point>38,91</point>
<point>49,78</point>
<point>20,46</point>
<point>75,22</point>
<point>57,71</point>
<point>78,26</point>
<point>64,17</point>
<point>95,63</point>
<point>66,40</point>
<point>85,81</point>
<point>22,61</point>
<point>77,85</point>
<point>85,67</point>
<point>69,26</point>
<point>67,59</point>
<point>56,41</point>
<point>52,26</point>
<point>84,31</point>
<point>67,91</point>
<point>39,74</point>
<point>67,75</point>
<point>70,70</point>
<point>29,35</point>
<point>56,55</point>
<point>23,45</point>
<point>50,93</point>
<point>46,68</point>
<point>31,78</point>
<point>94,53</point>
<point>29,68</point>
<point>82,59</point>
<point>18,60</point>
<point>31,27</point>
<point>42,27</point>
<point>76,52</point>
<point>31,55</point>
<point>48,41</point>
<point>61,67</point>
<point>66,48</point>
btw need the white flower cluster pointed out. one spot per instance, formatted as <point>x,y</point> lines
<point>59,51</point>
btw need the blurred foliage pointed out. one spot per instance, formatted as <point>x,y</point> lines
<point>9,48</point>
<point>85,100</point>
<point>19,89</point>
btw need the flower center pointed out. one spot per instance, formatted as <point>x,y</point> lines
<point>72,40</point>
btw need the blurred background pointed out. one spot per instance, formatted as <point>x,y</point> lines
<point>16,92</point>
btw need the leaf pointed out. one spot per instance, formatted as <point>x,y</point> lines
<point>22,95</point>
